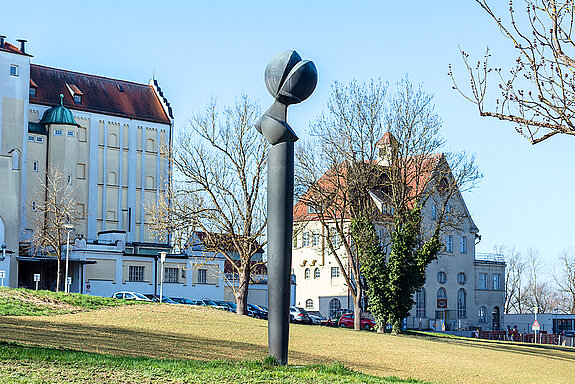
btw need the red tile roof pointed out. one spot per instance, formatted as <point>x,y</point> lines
<point>99,94</point>
<point>11,48</point>
<point>331,180</point>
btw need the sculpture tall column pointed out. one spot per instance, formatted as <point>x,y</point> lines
<point>290,80</point>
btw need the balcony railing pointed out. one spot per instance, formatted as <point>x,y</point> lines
<point>490,257</point>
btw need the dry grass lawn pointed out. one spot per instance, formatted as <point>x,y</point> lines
<point>189,332</point>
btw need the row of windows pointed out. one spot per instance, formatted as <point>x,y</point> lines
<point>317,273</point>
<point>171,275</point>
<point>449,244</point>
<point>420,301</point>
<point>37,139</point>
<point>496,283</point>
<point>314,236</point>
<point>442,277</point>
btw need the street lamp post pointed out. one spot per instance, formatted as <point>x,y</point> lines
<point>162,260</point>
<point>556,330</point>
<point>68,228</point>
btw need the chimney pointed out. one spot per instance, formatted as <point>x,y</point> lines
<point>2,37</point>
<point>22,45</point>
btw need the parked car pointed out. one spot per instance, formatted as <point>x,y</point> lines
<point>257,312</point>
<point>156,299</point>
<point>183,300</point>
<point>318,319</point>
<point>347,322</point>
<point>299,315</point>
<point>130,296</point>
<point>333,320</point>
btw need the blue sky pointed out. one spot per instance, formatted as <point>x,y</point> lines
<point>200,50</point>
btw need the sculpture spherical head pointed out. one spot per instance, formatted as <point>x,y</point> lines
<point>290,79</point>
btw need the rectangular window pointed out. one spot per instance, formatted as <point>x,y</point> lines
<point>77,99</point>
<point>315,239</point>
<point>58,132</point>
<point>171,275</point>
<point>31,138</point>
<point>13,70</point>
<point>496,282</point>
<point>35,166</point>
<point>80,210</point>
<point>135,273</point>
<point>305,239</point>
<point>482,281</point>
<point>334,238</point>
<point>434,211</point>
<point>32,92</point>
<point>463,245</point>
<point>449,243</point>
<point>334,272</point>
<point>39,139</point>
<point>70,133</point>
<point>202,276</point>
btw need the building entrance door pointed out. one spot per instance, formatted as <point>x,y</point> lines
<point>496,319</point>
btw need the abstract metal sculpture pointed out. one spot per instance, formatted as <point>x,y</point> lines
<point>290,80</point>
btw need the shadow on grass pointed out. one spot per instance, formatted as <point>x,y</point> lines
<point>554,352</point>
<point>123,341</point>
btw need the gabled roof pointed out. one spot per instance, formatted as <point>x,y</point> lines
<point>336,177</point>
<point>98,94</point>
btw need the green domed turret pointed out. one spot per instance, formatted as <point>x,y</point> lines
<point>59,115</point>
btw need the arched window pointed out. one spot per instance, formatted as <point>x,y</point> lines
<point>441,298</point>
<point>309,304</point>
<point>461,303</point>
<point>441,293</point>
<point>334,305</point>
<point>482,314</point>
<point>496,319</point>
<point>420,303</point>
<point>307,273</point>
<point>316,273</point>
<point>461,278</point>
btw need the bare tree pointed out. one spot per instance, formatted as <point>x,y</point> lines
<point>353,170</point>
<point>53,206</point>
<point>538,93</point>
<point>565,279</point>
<point>515,280</point>
<point>218,177</point>
<point>540,293</point>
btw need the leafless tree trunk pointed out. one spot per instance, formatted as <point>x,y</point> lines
<point>218,188</point>
<point>54,205</point>
<point>538,92</point>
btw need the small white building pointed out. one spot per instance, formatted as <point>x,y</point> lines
<point>548,322</point>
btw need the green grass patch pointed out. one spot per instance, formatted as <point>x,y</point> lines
<point>40,365</point>
<point>26,302</point>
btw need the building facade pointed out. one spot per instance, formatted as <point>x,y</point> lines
<point>103,134</point>
<point>463,290</point>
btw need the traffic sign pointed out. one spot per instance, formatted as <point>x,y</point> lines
<point>535,326</point>
<point>36,277</point>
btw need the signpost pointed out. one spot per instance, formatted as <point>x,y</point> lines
<point>68,283</point>
<point>2,276</point>
<point>37,279</point>
<point>536,325</point>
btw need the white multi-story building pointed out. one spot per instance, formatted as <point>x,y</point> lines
<point>463,290</point>
<point>102,133</point>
